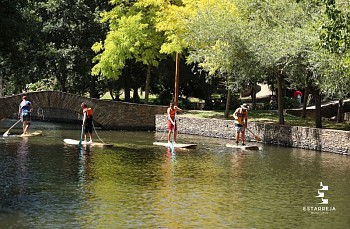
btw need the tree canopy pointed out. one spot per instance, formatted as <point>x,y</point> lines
<point>122,45</point>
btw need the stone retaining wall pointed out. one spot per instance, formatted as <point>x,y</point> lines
<point>327,140</point>
<point>65,107</point>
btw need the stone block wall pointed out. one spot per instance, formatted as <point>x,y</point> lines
<point>335,141</point>
<point>65,107</point>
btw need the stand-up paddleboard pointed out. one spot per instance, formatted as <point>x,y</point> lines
<point>176,145</point>
<point>245,147</point>
<point>84,143</point>
<point>33,134</point>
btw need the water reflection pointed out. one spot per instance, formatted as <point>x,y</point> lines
<point>22,166</point>
<point>45,184</point>
<point>84,163</point>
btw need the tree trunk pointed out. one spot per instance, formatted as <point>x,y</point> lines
<point>340,116</point>
<point>148,82</point>
<point>228,103</point>
<point>111,94</point>
<point>306,95</point>
<point>1,86</point>
<point>177,76</point>
<point>280,99</point>
<point>126,87</point>
<point>135,96</point>
<point>318,109</point>
<point>253,96</point>
<point>62,81</point>
<point>93,93</point>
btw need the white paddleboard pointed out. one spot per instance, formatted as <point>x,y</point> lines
<point>245,147</point>
<point>84,143</point>
<point>176,145</point>
<point>33,134</point>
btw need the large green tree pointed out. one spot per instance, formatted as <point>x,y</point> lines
<point>19,28</point>
<point>334,56</point>
<point>132,35</point>
<point>70,27</point>
<point>278,30</point>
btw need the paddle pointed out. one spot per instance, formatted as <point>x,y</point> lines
<point>82,131</point>
<point>172,142</point>
<point>257,138</point>
<point>81,135</point>
<point>7,132</point>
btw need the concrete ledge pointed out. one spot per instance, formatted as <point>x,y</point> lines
<point>326,140</point>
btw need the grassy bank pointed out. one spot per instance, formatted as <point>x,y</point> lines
<point>268,116</point>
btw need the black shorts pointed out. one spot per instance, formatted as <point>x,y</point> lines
<point>88,125</point>
<point>26,117</point>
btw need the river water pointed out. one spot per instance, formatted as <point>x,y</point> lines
<point>46,184</point>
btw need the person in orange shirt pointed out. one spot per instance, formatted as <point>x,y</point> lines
<point>87,120</point>
<point>241,117</point>
<point>171,113</point>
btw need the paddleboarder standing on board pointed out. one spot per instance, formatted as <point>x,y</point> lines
<point>171,113</point>
<point>241,121</point>
<point>87,120</point>
<point>25,112</point>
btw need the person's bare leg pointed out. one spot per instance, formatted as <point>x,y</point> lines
<point>24,127</point>
<point>169,134</point>
<point>90,137</point>
<point>243,137</point>
<point>237,137</point>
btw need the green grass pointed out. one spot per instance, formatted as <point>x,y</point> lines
<point>268,116</point>
<point>259,116</point>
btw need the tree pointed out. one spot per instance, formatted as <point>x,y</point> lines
<point>334,57</point>
<point>68,38</point>
<point>132,35</point>
<point>19,28</point>
<point>278,30</point>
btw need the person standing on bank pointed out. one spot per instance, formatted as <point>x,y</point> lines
<point>87,121</point>
<point>25,113</point>
<point>241,121</point>
<point>171,113</point>
<point>298,94</point>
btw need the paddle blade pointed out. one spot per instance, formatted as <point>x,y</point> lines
<point>257,138</point>
<point>6,134</point>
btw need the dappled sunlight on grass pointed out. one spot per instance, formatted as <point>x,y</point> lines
<point>270,116</point>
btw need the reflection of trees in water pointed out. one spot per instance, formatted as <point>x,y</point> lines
<point>22,165</point>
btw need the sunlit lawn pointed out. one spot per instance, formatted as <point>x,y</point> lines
<point>259,116</point>
<point>268,116</point>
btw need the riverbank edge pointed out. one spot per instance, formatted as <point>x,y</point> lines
<point>324,140</point>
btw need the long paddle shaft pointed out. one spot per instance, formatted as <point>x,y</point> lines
<point>172,142</point>
<point>257,138</point>
<point>7,132</point>
<point>82,130</point>
<point>81,134</point>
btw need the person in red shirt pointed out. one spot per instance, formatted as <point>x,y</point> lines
<point>171,113</point>
<point>87,120</point>
<point>298,94</point>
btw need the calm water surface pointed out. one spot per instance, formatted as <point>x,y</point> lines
<point>45,184</point>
